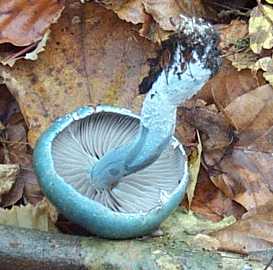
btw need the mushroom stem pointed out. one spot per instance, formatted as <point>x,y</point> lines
<point>193,60</point>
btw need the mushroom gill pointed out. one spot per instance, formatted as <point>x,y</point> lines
<point>79,146</point>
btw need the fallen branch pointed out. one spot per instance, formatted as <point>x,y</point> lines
<point>31,250</point>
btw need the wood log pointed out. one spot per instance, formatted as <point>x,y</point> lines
<point>32,250</point>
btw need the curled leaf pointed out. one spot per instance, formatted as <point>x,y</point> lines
<point>194,167</point>
<point>130,10</point>
<point>266,64</point>
<point>260,28</point>
<point>25,22</point>
<point>164,10</point>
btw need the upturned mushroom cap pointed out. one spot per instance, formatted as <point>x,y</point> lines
<point>137,204</point>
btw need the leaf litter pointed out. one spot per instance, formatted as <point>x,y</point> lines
<point>232,114</point>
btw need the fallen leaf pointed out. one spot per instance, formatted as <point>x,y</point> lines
<point>245,109</point>
<point>185,132</point>
<point>28,217</point>
<point>266,64</point>
<point>194,167</point>
<point>25,22</point>
<point>229,84</point>
<point>252,113</point>
<point>264,143</point>
<point>17,151</point>
<point>244,176</point>
<point>260,26</point>
<point>94,59</point>
<point>8,174</point>
<point>244,172</point>
<point>232,35</point>
<point>151,30</point>
<point>216,131</point>
<point>13,54</point>
<point>28,40</point>
<point>252,233</point>
<point>33,55</point>
<point>244,60</point>
<point>130,10</point>
<point>211,203</point>
<point>234,44</point>
<point>163,10</point>
<point>16,147</point>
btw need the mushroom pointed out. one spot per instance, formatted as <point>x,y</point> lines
<point>117,174</point>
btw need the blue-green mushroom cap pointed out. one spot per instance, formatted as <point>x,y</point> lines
<point>137,204</point>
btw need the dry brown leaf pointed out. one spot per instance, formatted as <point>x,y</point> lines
<point>208,200</point>
<point>163,10</point>
<point>92,57</point>
<point>245,172</point>
<point>266,64</point>
<point>264,143</point>
<point>252,113</point>
<point>215,129</point>
<point>17,151</point>
<point>252,233</point>
<point>185,132</point>
<point>243,60</point>
<point>229,84</point>
<point>244,176</point>
<point>211,203</point>
<point>245,109</point>
<point>232,34</point>
<point>14,132</point>
<point>234,44</point>
<point>28,40</point>
<point>133,11</point>
<point>151,30</point>
<point>194,168</point>
<point>128,10</point>
<point>25,22</point>
<point>10,54</point>
<point>242,172</point>
<point>28,216</point>
<point>8,174</point>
